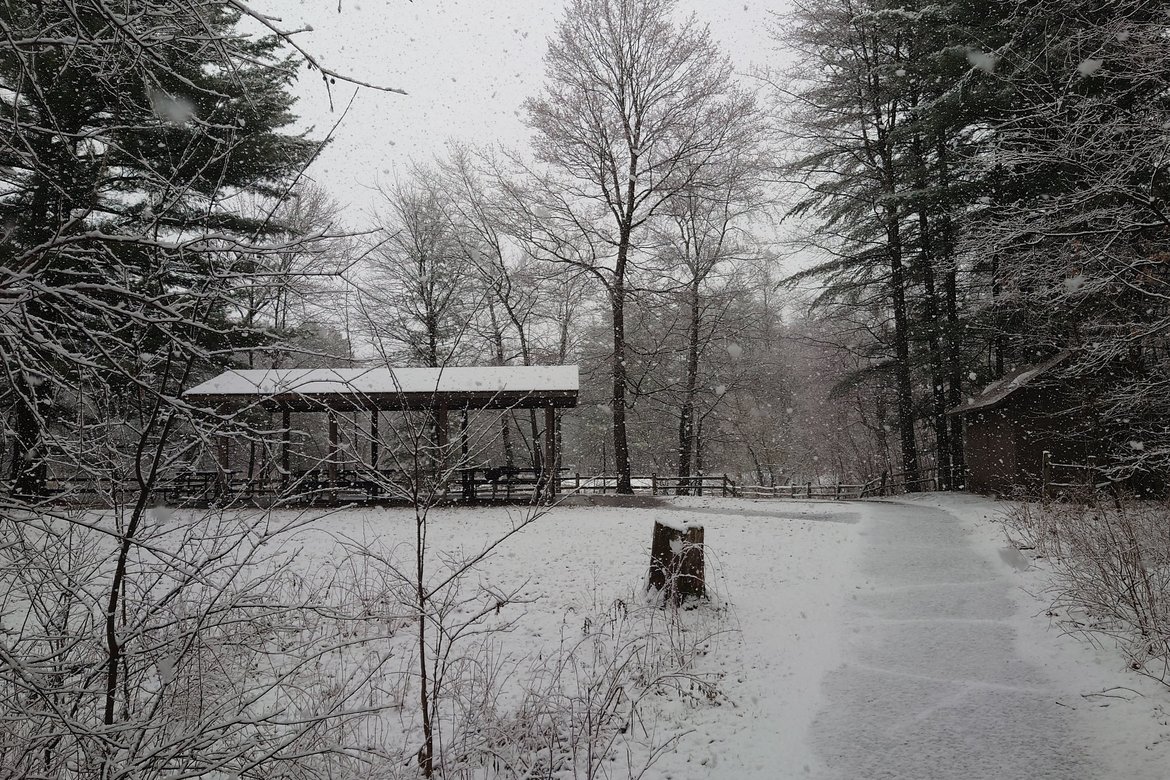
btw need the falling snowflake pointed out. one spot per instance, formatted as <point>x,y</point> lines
<point>1089,67</point>
<point>982,60</point>
<point>171,109</point>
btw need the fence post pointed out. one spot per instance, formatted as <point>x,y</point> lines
<point>1091,473</point>
<point>808,489</point>
<point>838,491</point>
<point>577,474</point>
<point>1045,472</point>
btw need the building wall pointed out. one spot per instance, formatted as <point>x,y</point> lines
<point>991,452</point>
<point>1005,445</point>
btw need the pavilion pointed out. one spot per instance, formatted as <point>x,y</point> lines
<point>335,391</point>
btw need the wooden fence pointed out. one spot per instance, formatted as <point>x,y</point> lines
<point>479,484</point>
<point>654,485</point>
<point>1069,478</point>
<point>888,484</point>
<point>836,491</point>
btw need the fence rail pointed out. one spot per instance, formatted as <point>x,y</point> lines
<point>654,485</point>
<point>315,486</point>
<point>836,491</point>
<point>1062,478</point>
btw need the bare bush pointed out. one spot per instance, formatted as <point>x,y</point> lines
<point>584,710</point>
<point>229,659</point>
<point>1112,571</point>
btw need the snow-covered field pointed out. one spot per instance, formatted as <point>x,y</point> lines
<point>858,640</point>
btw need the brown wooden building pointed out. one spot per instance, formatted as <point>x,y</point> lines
<point>1014,420</point>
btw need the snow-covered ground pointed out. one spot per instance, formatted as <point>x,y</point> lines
<point>852,640</point>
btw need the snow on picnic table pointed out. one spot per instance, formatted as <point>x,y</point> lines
<point>862,640</point>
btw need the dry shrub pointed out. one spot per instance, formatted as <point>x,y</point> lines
<point>582,708</point>
<point>1112,567</point>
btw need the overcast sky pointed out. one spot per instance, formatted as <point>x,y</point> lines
<point>467,65</point>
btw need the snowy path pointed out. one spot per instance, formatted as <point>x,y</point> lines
<point>932,685</point>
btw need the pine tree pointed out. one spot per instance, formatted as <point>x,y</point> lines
<point>889,102</point>
<point>126,134</point>
<point>1080,224</point>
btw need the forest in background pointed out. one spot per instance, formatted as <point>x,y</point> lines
<point>785,275</point>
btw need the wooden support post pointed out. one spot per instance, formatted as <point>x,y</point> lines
<point>551,466</point>
<point>1091,473</point>
<point>463,438</point>
<point>285,441</point>
<point>332,452</point>
<point>374,440</point>
<point>442,439</point>
<point>442,434</point>
<point>653,484</point>
<point>224,456</point>
<point>375,483</point>
<point>1045,472</point>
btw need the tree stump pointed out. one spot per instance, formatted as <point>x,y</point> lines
<point>676,562</point>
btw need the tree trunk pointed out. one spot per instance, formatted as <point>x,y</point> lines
<point>676,563</point>
<point>686,429</point>
<point>505,426</point>
<point>905,389</point>
<point>426,754</point>
<point>933,325</point>
<point>621,449</point>
<point>954,357</point>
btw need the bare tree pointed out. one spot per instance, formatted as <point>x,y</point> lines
<point>704,229</point>
<point>414,303</point>
<point>635,107</point>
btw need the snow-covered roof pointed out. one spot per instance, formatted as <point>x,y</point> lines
<point>393,388</point>
<point>998,391</point>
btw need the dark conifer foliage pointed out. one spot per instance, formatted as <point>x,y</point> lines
<point>987,182</point>
<point>128,133</point>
